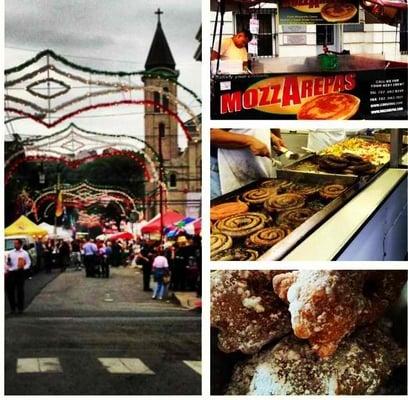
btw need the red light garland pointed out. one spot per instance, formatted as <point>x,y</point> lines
<point>102,105</point>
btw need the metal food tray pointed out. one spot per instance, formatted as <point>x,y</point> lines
<point>313,158</point>
<point>282,248</point>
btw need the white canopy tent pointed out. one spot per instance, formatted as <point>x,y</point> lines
<point>65,234</point>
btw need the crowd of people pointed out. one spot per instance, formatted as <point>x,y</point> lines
<point>174,265</point>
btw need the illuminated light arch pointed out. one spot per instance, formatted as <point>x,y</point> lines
<point>116,88</point>
<point>48,208</point>
<point>84,195</point>
<point>73,144</point>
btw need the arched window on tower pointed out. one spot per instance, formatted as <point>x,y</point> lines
<point>156,99</point>
<point>162,130</point>
<point>173,180</point>
<point>166,97</point>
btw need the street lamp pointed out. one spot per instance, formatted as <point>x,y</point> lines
<point>41,175</point>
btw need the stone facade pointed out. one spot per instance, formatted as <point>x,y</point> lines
<point>182,168</point>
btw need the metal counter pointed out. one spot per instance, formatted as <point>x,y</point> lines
<point>312,65</point>
<point>331,239</point>
<point>306,230</point>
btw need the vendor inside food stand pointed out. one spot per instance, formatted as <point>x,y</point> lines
<point>241,155</point>
<point>233,48</point>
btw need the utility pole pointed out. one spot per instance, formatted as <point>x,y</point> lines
<point>161,135</point>
<point>56,204</point>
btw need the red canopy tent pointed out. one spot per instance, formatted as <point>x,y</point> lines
<point>169,218</point>
<point>121,235</point>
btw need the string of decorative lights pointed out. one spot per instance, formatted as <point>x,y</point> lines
<point>116,60</point>
<point>63,60</point>
<point>101,106</point>
<point>39,114</point>
<point>84,195</point>
<point>64,88</point>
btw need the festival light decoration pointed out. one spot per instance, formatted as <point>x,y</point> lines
<point>84,195</point>
<point>38,117</point>
<point>64,88</point>
<point>88,220</point>
<point>50,95</point>
<point>73,144</point>
<point>51,105</point>
<point>146,74</point>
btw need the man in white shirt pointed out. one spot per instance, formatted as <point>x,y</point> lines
<point>18,262</point>
<point>233,48</point>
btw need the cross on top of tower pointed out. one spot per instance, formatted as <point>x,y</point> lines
<point>160,54</point>
<point>158,13</point>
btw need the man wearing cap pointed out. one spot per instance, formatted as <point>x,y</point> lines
<point>18,262</point>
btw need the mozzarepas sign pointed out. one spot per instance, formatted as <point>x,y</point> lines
<point>284,95</point>
<point>299,12</point>
<point>359,95</point>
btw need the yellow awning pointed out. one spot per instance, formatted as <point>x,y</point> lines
<point>23,226</point>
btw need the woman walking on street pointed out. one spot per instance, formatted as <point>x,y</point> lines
<point>160,270</point>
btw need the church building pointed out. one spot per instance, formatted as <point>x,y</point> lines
<point>181,168</point>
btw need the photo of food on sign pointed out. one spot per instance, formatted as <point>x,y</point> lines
<point>308,195</point>
<point>308,332</point>
<point>309,60</point>
<point>314,11</point>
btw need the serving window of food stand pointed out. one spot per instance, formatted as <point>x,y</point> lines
<point>332,85</point>
<point>324,35</point>
<point>267,45</point>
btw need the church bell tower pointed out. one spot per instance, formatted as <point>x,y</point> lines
<point>160,92</point>
<point>160,89</point>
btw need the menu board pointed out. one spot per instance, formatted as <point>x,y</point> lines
<point>300,12</point>
<point>371,94</point>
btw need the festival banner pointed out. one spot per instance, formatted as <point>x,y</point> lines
<point>59,207</point>
<point>302,12</point>
<point>372,94</point>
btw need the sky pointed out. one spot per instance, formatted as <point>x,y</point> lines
<point>103,34</point>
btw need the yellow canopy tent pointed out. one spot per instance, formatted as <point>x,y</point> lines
<point>23,226</point>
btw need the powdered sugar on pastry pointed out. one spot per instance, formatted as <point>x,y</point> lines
<point>326,306</point>
<point>360,365</point>
<point>246,311</point>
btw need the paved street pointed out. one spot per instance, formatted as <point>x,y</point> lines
<point>102,336</point>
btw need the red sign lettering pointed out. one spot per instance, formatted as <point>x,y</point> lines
<point>285,91</point>
<point>231,102</point>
